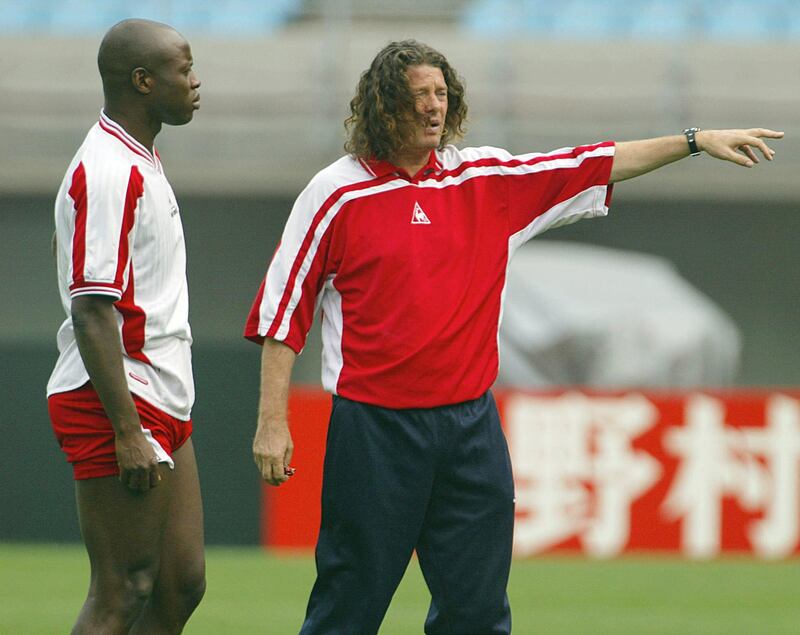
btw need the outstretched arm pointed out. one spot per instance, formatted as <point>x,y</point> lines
<point>272,445</point>
<point>634,158</point>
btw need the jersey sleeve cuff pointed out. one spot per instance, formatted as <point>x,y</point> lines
<point>95,288</point>
<point>258,338</point>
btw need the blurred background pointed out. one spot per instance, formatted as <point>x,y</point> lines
<point>277,79</point>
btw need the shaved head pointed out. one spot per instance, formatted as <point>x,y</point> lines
<point>148,77</point>
<point>132,44</point>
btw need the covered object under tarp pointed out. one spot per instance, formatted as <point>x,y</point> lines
<point>592,316</point>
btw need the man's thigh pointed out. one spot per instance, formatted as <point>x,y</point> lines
<point>466,541</point>
<point>182,560</point>
<point>378,473</point>
<point>122,528</point>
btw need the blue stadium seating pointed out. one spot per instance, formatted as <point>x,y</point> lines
<point>747,20</point>
<point>247,17</point>
<point>82,16</point>
<point>792,24</point>
<point>493,18</point>
<point>587,19</point>
<point>23,16</point>
<point>659,20</point>
<point>743,19</point>
<point>92,16</point>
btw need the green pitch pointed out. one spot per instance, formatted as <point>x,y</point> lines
<point>251,591</point>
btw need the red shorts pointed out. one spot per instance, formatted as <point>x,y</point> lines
<point>85,434</point>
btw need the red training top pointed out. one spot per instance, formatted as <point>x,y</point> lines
<point>410,272</point>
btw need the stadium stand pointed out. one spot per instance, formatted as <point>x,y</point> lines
<point>375,10</point>
<point>634,19</point>
<point>659,20</point>
<point>219,17</point>
<point>279,75</point>
<point>568,19</point>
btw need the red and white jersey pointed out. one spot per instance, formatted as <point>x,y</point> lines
<point>410,273</point>
<point>119,234</point>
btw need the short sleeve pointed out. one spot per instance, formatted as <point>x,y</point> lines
<point>285,304</point>
<point>557,188</point>
<point>101,228</point>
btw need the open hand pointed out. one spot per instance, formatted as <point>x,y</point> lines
<point>738,146</point>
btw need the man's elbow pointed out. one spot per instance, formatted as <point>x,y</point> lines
<point>88,310</point>
<point>620,174</point>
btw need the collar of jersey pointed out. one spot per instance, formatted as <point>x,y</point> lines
<point>384,168</point>
<point>115,130</point>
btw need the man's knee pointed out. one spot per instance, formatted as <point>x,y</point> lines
<point>185,590</point>
<point>121,596</point>
<point>138,586</point>
<point>192,585</point>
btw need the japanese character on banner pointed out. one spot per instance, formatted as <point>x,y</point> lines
<point>757,466</point>
<point>576,470</point>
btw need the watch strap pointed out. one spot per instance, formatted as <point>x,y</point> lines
<point>691,138</point>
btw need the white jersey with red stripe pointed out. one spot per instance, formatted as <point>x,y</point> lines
<point>410,273</point>
<point>119,234</point>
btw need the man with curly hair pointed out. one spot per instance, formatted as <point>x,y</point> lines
<point>404,244</point>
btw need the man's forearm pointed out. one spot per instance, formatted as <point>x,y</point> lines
<point>97,336</point>
<point>277,361</point>
<point>272,445</point>
<point>634,158</point>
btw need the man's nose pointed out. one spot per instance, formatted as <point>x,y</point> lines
<point>430,103</point>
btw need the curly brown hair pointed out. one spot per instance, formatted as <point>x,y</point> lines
<point>382,111</point>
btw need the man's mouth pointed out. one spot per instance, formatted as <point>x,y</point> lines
<point>433,126</point>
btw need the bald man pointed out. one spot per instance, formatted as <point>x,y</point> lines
<point>121,393</point>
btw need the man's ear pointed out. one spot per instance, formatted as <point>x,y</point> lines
<point>142,80</point>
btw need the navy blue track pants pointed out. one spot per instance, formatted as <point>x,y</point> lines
<point>437,480</point>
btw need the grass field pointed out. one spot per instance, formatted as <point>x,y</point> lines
<point>252,591</point>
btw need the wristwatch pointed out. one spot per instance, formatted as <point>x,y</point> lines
<point>691,139</point>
